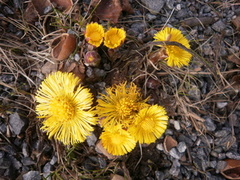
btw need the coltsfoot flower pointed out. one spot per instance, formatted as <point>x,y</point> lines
<point>117,141</point>
<point>175,55</point>
<point>120,105</point>
<point>114,38</point>
<point>66,108</point>
<point>94,34</point>
<point>149,125</point>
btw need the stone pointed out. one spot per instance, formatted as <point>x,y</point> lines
<point>181,147</point>
<point>174,153</point>
<point>91,140</point>
<point>209,124</point>
<point>175,169</point>
<point>221,105</point>
<point>17,124</point>
<point>154,6</point>
<point>233,155</point>
<point>219,26</point>
<point>32,175</point>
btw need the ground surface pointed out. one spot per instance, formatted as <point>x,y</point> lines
<point>202,100</point>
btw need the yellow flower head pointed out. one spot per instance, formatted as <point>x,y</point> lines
<point>150,124</point>
<point>94,34</point>
<point>176,56</point>
<point>120,105</point>
<point>114,37</point>
<point>117,141</point>
<point>66,108</point>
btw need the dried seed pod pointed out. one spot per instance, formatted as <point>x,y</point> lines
<point>63,46</point>
<point>159,55</point>
<point>169,143</point>
<point>64,5</point>
<point>232,169</point>
<point>92,58</point>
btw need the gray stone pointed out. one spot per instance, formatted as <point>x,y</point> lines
<point>181,147</point>
<point>194,93</point>
<point>222,133</point>
<point>174,153</point>
<point>221,104</point>
<point>159,147</point>
<point>209,124</point>
<point>219,26</point>
<point>5,163</point>
<point>150,17</point>
<point>17,124</point>
<point>221,165</point>
<point>176,125</point>
<point>53,160</point>
<point>27,161</point>
<point>175,169</point>
<point>233,155</point>
<point>91,140</point>
<point>47,171</point>
<point>154,6</point>
<point>32,175</point>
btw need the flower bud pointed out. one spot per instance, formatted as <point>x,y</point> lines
<point>92,58</point>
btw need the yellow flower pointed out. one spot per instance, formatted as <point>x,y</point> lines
<point>117,141</point>
<point>94,34</point>
<point>150,124</point>
<point>176,56</point>
<point>66,108</point>
<point>119,105</point>
<point>114,37</point>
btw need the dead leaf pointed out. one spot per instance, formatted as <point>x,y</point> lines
<point>63,46</point>
<point>100,149</point>
<point>116,177</point>
<point>236,22</point>
<point>41,6</point>
<point>232,169</point>
<point>49,67</point>
<point>195,21</point>
<point>235,58</point>
<point>169,143</point>
<point>110,10</point>
<point>63,5</point>
<point>235,81</point>
<point>76,68</point>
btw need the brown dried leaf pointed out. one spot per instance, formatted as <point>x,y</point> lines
<point>30,14</point>
<point>236,22</point>
<point>63,5</point>
<point>235,81</point>
<point>232,169</point>
<point>102,150</point>
<point>49,67</point>
<point>116,177</point>
<point>194,21</point>
<point>235,58</point>
<point>63,46</point>
<point>110,10</point>
<point>169,143</point>
<point>40,6</point>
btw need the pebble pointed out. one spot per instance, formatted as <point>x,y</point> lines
<point>175,169</point>
<point>181,147</point>
<point>32,175</point>
<point>219,26</point>
<point>233,155</point>
<point>209,124</point>
<point>176,125</point>
<point>222,104</point>
<point>174,153</point>
<point>150,16</point>
<point>154,6</point>
<point>91,140</point>
<point>17,124</point>
<point>160,147</point>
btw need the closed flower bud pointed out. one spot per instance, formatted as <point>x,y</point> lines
<point>92,58</point>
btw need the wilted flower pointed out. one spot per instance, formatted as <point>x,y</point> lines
<point>114,37</point>
<point>66,108</point>
<point>94,34</point>
<point>117,141</point>
<point>176,56</point>
<point>149,124</point>
<point>120,105</point>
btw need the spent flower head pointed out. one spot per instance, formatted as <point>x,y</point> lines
<point>114,38</point>
<point>175,55</point>
<point>149,125</point>
<point>65,107</point>
<point>94,34</point>
<point>119,105</point>
<point>117,141</point>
